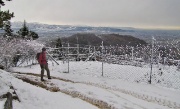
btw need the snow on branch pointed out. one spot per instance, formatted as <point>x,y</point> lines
<point>9,49</point>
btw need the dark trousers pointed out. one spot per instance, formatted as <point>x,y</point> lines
<point>45,66</point>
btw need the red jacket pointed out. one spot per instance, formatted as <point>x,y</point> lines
<point>42,58</point>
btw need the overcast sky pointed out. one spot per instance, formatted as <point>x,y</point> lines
<point>119,13</point>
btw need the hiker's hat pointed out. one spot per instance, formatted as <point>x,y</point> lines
<point>43,49</point>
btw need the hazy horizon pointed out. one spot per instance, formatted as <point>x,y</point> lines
<point>143,14</point>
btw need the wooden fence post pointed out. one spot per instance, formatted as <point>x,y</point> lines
<point>8,104</point>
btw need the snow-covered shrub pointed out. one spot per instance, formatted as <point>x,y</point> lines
<point>12,50</point>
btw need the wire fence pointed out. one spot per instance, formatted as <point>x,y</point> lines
<point>156,63</point>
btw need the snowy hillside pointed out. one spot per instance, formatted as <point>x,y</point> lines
<point>84,88</point>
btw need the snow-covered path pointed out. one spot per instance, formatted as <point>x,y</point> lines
<point>114,97</point>
<point>33,97</point>
<point>87,91</point>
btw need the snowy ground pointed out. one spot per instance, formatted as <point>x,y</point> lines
<point>84,88</point>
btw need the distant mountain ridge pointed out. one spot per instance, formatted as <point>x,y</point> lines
<point>54,31</point>
<point>46,29</point>
<point>108,39</point>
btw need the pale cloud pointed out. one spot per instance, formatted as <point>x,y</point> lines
<point>135,13</point>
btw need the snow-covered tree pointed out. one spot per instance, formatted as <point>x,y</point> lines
<point>4,15</point>
<point>33,35</point>
<point>7,28</point>
<point>58,43</point>
<point>17,49</point>
<point>24,31</point>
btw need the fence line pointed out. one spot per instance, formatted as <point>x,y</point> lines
<point>154,56</point>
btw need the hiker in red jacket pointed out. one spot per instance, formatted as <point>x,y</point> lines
<point>43,63</point>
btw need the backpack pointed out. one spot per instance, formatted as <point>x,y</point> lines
<point>37,56</point>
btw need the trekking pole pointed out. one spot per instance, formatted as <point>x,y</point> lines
<point>52,58</point>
